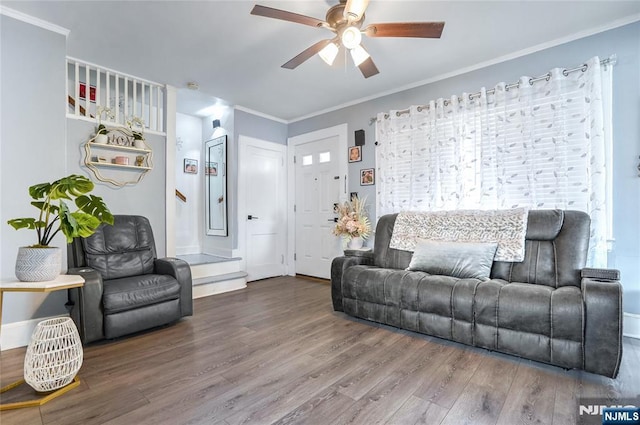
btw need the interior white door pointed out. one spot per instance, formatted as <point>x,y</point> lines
<point>263,170</point>
<point>317,190</point>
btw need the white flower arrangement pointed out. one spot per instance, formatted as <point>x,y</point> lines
<point>352,220</point>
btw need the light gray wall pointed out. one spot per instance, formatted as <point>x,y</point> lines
<point>189,225</point>
<point>32,146</point>
<point>624,42</point>
<point>146,198</point>
<point>251,125</point>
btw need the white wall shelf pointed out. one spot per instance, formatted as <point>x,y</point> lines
<point>100,159</point>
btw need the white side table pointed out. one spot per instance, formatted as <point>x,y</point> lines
<point>65,281</point>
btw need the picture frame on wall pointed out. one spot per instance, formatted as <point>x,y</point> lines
<point>82,92</point>
<point>190,166</point>
<point>367,177</point>
<point>355,154</point>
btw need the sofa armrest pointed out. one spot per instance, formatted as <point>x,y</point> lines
<point>600,274</point>
<point>603,325</point>
<point>85,305</point>
<point>181,271</point>
<point>338,266</point>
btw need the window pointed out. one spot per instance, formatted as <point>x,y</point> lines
<point>539,144</point>
<point>325,157</point>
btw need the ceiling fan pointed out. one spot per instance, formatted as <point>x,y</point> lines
<point>345,20</point>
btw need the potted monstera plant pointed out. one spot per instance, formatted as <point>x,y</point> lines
<point>41,262</point>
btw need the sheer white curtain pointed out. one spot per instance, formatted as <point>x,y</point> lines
<point>539,144</point>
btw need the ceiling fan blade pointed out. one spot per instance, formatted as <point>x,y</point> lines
<point>354,9</point>
<point>368,68</point>
<point>270,12</point>
<point>306,54</point>
<point>406,29</point>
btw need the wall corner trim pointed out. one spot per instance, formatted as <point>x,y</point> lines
<point>631,325</point>
<point>33,20</point>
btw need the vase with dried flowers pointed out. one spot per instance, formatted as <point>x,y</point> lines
<point>353,224</point>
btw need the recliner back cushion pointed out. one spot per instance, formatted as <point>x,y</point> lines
<point>126,248</point>
<point>557,243</point>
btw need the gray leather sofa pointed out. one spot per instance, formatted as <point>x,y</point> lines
<point>127,289</point>
<point>547,308</point>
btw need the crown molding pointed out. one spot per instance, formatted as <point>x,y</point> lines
<point>260,114</point>
<point>20,16</point>
<point>524,52</point>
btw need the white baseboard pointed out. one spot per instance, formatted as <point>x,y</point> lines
<point>18,334</point>
<point>631,325</point>
<point>208,289</point>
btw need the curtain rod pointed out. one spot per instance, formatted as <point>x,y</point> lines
<point>611,60</point>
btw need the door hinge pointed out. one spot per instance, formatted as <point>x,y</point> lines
<point>294,207</point>
<point>294,159</point>
<point>282,259</point>
<point>295,257</point>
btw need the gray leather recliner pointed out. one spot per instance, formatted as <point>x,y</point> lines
<point>127,289</point>
<point>547,308</point>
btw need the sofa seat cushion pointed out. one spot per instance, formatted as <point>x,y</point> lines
<point>533,321</point>
<point>432,304</point>
<point>137,291</point>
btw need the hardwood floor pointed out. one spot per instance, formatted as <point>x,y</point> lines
<point>276,352</point>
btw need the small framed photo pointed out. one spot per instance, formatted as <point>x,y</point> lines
<point>83,92</point>
<point>355,153</point>
<point>353,195</point>
<point>211,169</point>
<point>191,166</point>
<point>367,177</point>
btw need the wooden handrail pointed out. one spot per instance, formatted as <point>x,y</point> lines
<point>181,196</point>
<point>83,111</point>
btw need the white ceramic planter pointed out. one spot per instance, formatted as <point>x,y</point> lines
<point>38,264</point>
<point>101,139</point>
<point>355,243</point>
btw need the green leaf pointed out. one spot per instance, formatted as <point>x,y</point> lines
<point>95,206</point>
<point>25,223</point>
<point>86,224</point>
<point>68,223</point>
<point>41,205</point>
<point>40,191</point>
<point>73,185</point>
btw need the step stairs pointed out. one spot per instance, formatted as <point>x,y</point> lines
<point>215,275</point>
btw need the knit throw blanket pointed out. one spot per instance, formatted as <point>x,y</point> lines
<point>506,227</point>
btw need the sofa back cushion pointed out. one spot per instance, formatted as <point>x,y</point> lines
<point>126,248</point>
<point>555,249</point>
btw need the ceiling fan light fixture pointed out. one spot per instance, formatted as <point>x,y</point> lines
<point>329,53</point>
<point>359,55</point>
<point>351,37</point>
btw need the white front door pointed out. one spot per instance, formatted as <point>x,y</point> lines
<point>318,185</point>
<point>262,206</point>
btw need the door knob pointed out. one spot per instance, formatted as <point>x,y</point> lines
<point>251,217</point>
<point>334,219</point>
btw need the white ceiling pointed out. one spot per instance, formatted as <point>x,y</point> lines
<point>236,57</point>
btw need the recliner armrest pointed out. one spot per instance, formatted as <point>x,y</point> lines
<point>600,274</point>
<point>603,325</point>
<point>85,305</point>
<point>181,271</point>
<point>338,266</point>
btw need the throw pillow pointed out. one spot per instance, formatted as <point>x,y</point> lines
<point>457,259</point>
